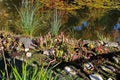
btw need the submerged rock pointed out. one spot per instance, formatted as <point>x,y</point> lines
<point>115,59</point>
<point>46,52</point>
<point>95,77</point>
<point>108,69</point>
<point>26,49</point>
<point>111,68</point>
<point>70,70</point>
<point>88,66</point>
<point>109,79</point>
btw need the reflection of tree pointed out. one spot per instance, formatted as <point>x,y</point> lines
<point>3,17</point>
<point>110,18</point>
<point>10,4</point>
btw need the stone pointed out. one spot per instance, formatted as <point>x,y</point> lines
<point>111,44</point>
<point>95,77</point>
<point>27,42</point>
<point>115,59</point>
<point>88,66</point>
<point>26,49</point>
<point>109,79</point>
<point>46,52</point>
<point>109,69</point>
<point>70,70</point>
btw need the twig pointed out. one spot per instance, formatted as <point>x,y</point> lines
<point>6,70</point>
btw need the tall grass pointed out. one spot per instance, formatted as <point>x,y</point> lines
<point>2,75</point>
<point>33,74</point>
<point>55,23</point>
<point>28,18</point>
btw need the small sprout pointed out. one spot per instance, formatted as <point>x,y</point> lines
<point>108,69</point>
<point>115,59</point>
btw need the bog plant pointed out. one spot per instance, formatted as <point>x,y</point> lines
<point>102,37</point>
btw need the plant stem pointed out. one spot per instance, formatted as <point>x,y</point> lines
<point>6,70</point>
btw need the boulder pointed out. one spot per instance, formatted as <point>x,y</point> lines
<point>27,42</point>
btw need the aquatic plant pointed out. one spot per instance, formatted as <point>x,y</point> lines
<point>28,18</point>
<point>55,23</point>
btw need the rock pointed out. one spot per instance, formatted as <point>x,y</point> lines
<point>111,68</point>
<point>95,77</point>
<point>88,66</point>
<point>27,42</point>
<point>26,49</point>
<point>108,69</point>
<point>105,69</point>
<point>115,59</point>
<point>109,79</point>
<point>100,43</point>
<point>50,53</point>
<point>46,52</point>
<point>88,41</point>
<point>70,70</point>
<point>111,44</point>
